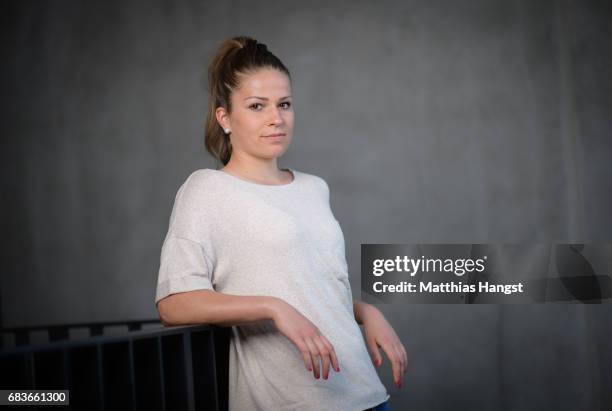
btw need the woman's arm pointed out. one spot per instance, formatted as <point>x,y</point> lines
<point>359,310</point>
<point>211,307</point>
<point>379,333</point>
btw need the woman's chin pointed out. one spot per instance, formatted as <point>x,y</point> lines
<point>274,152</point>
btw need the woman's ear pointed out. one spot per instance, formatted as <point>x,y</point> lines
<point>223,117</point>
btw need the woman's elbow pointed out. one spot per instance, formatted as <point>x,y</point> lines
<point>165,313</point>
<point>187,308</point>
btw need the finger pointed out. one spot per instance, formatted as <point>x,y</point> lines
<point>397,365</point>
<point>332,354</point>
<point>314,353</point>
<point>324,357</point>
<point>400,357</point>
<point>405,356</point>
<point>394,363</point>
<point>305,354</point>
<point>374,352</point>
<point>400,365</point>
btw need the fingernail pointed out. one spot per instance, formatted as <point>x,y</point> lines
<point>325,377</point>
<point>338,370</point>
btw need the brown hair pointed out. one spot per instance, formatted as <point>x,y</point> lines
<point>234,57</point>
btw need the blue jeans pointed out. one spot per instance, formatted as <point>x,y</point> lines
<point>384,406</point>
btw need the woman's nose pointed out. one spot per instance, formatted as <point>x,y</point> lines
<point>276,118</point>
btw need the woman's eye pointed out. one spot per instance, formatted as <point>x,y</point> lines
<point>257,106</point>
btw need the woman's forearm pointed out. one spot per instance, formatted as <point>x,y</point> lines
<point>211,307</point>
<point>361,310</point>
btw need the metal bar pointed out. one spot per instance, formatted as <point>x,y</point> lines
<point>132,377</point>
<point>22,338</point>
<point>78,325</point>
<point>134,326</point>
<point>188,370</point>
<point>58,333</point>
<point>32,370</point>
<point>101,387</point>
<point>106,338</point>
<point>214,365</point>
<point>161,373</point>
<point>95,330</point>
<point>66,363</point>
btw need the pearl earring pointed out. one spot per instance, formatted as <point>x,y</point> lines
<point>227,130</point>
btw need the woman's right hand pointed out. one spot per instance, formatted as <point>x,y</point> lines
<point>306,337</point>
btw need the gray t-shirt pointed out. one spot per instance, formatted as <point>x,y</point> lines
<point>242,238</point>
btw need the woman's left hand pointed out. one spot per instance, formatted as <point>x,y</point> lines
<point>379,333</point>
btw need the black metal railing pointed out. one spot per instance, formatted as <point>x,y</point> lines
<point>60,332</point>
<point>166,368</point>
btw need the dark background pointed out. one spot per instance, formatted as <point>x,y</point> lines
<point>432,121</point>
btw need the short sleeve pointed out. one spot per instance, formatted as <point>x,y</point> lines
<point>324,189</point>
<point>186,262</point>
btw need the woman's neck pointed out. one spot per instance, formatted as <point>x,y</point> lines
<point>259,171</point>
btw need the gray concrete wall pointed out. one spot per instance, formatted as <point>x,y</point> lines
<point>432,121</point>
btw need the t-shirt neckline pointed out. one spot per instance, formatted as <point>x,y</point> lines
<point>251,183</point>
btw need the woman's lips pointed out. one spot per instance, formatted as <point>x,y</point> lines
<point>276,137</point>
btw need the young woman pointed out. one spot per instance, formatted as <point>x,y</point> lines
<point>257,248</point>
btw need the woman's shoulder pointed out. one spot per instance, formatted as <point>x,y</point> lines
<point>198,183</point>
<point>200,178</point>
<point>201,175</point>
<point>312,179</point>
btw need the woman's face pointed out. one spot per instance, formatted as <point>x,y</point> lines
<point>261,121</point>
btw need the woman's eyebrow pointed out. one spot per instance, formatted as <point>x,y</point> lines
<point>265,98</point>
